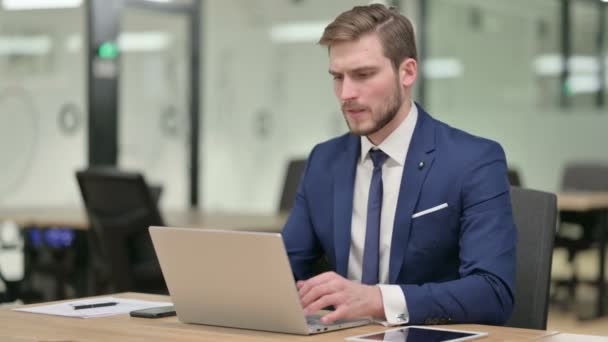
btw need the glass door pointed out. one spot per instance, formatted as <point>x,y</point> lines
<point>42,105</point>
<point>154,92</point>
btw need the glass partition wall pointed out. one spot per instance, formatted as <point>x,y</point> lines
<point>491,68</point>
<point>267,96</point>
<point>154,93</point>
<point>494,69</point>
<point>42,105</point>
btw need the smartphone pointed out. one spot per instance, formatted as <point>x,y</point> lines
<point>158,312</point>
<point>418,334</point>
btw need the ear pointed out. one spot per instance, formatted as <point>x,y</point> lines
<point>408,72</point>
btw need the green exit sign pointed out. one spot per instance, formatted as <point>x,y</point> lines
<point>108,50</point>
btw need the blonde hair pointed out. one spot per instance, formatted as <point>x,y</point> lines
<point>394,30</point>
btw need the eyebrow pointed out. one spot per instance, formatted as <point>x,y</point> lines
<point>359,69</point>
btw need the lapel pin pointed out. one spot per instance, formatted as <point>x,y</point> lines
<point>420,165</point>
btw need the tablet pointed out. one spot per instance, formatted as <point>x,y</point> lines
<point>418,334</point>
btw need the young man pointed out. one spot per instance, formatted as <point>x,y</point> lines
<point>413,215</point>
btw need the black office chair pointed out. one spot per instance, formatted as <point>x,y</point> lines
<point>121,207</point>
<point>295,169</point>
<point>535,215</point>
<point>579,232</point>
<point>514,177</point>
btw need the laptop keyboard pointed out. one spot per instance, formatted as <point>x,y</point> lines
<point>313,320</point>
<point>316,321</point>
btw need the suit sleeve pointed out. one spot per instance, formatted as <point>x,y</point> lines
<point>301,242</point>
<point>484,292</point>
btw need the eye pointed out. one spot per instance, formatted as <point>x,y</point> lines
<point>362,75</point>
<point>338,77</point>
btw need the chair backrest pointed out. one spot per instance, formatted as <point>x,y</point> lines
<point>514,178</point>
<point>120,207</point>
<point>295,169</point>
<point>585,176</point>
<point>535,215</point>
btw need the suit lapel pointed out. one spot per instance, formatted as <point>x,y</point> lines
<point>344,182</point>
<point>418,162</point>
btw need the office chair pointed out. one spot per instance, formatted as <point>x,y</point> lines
<point>121,207</point>
<point>586,177</point>
<point>514,178</point>
<point>535,215</point>
<point>295,170</point>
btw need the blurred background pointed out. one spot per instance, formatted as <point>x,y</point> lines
<point>491,68</point>
<point>211,100</point>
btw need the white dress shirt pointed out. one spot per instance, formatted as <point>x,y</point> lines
<point>395,146</point>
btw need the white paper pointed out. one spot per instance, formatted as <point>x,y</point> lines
<point>66,309</point>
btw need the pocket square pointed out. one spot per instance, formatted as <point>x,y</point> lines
<point>430,210</point>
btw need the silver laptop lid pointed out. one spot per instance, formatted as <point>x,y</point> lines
<point>228,278</point>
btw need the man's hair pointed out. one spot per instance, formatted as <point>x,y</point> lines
<point>394,30</point>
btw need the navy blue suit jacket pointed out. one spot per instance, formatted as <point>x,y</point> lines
<point>454,265</point>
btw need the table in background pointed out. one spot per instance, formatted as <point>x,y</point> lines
<point>76,218</point>
<point>67,262</point>
<point>591,202</point>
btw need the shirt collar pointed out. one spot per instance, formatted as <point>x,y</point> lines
<point>397,143</point>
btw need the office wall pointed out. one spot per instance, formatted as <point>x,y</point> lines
<point>43,72</point>
<point>500,92</point>
<point>266,100</point>
<point>41,76</point>
<point>154,93</point>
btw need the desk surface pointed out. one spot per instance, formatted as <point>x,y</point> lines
<point>572,338</point>
<point>22,326</point>
<point>76,218</point>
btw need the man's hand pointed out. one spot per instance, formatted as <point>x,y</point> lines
<point>350,299</point>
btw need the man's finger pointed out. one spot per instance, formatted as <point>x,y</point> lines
<point>325,301</point>
<point>315,281</point>
<point>317,292</point>
<point>341,312</point>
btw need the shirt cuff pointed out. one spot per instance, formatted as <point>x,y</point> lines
<point>395,306</point>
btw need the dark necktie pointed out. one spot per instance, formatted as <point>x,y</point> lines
<point>371,253</point>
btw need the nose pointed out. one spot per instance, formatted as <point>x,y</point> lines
<point>347,90</point>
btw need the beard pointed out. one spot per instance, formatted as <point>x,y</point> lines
<point>379,118</point>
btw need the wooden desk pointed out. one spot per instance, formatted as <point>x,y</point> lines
<point>47,216</point>
<point>572,338</point>
<point>582,201</point>
<point>21,326</point>
<point>76,218</point>
<point>593,203</point>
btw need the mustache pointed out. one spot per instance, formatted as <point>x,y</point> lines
<point>352,105</point>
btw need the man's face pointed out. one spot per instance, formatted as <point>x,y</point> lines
<point>365,83</point>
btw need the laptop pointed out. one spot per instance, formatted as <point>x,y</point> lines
<point>234,279</point>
